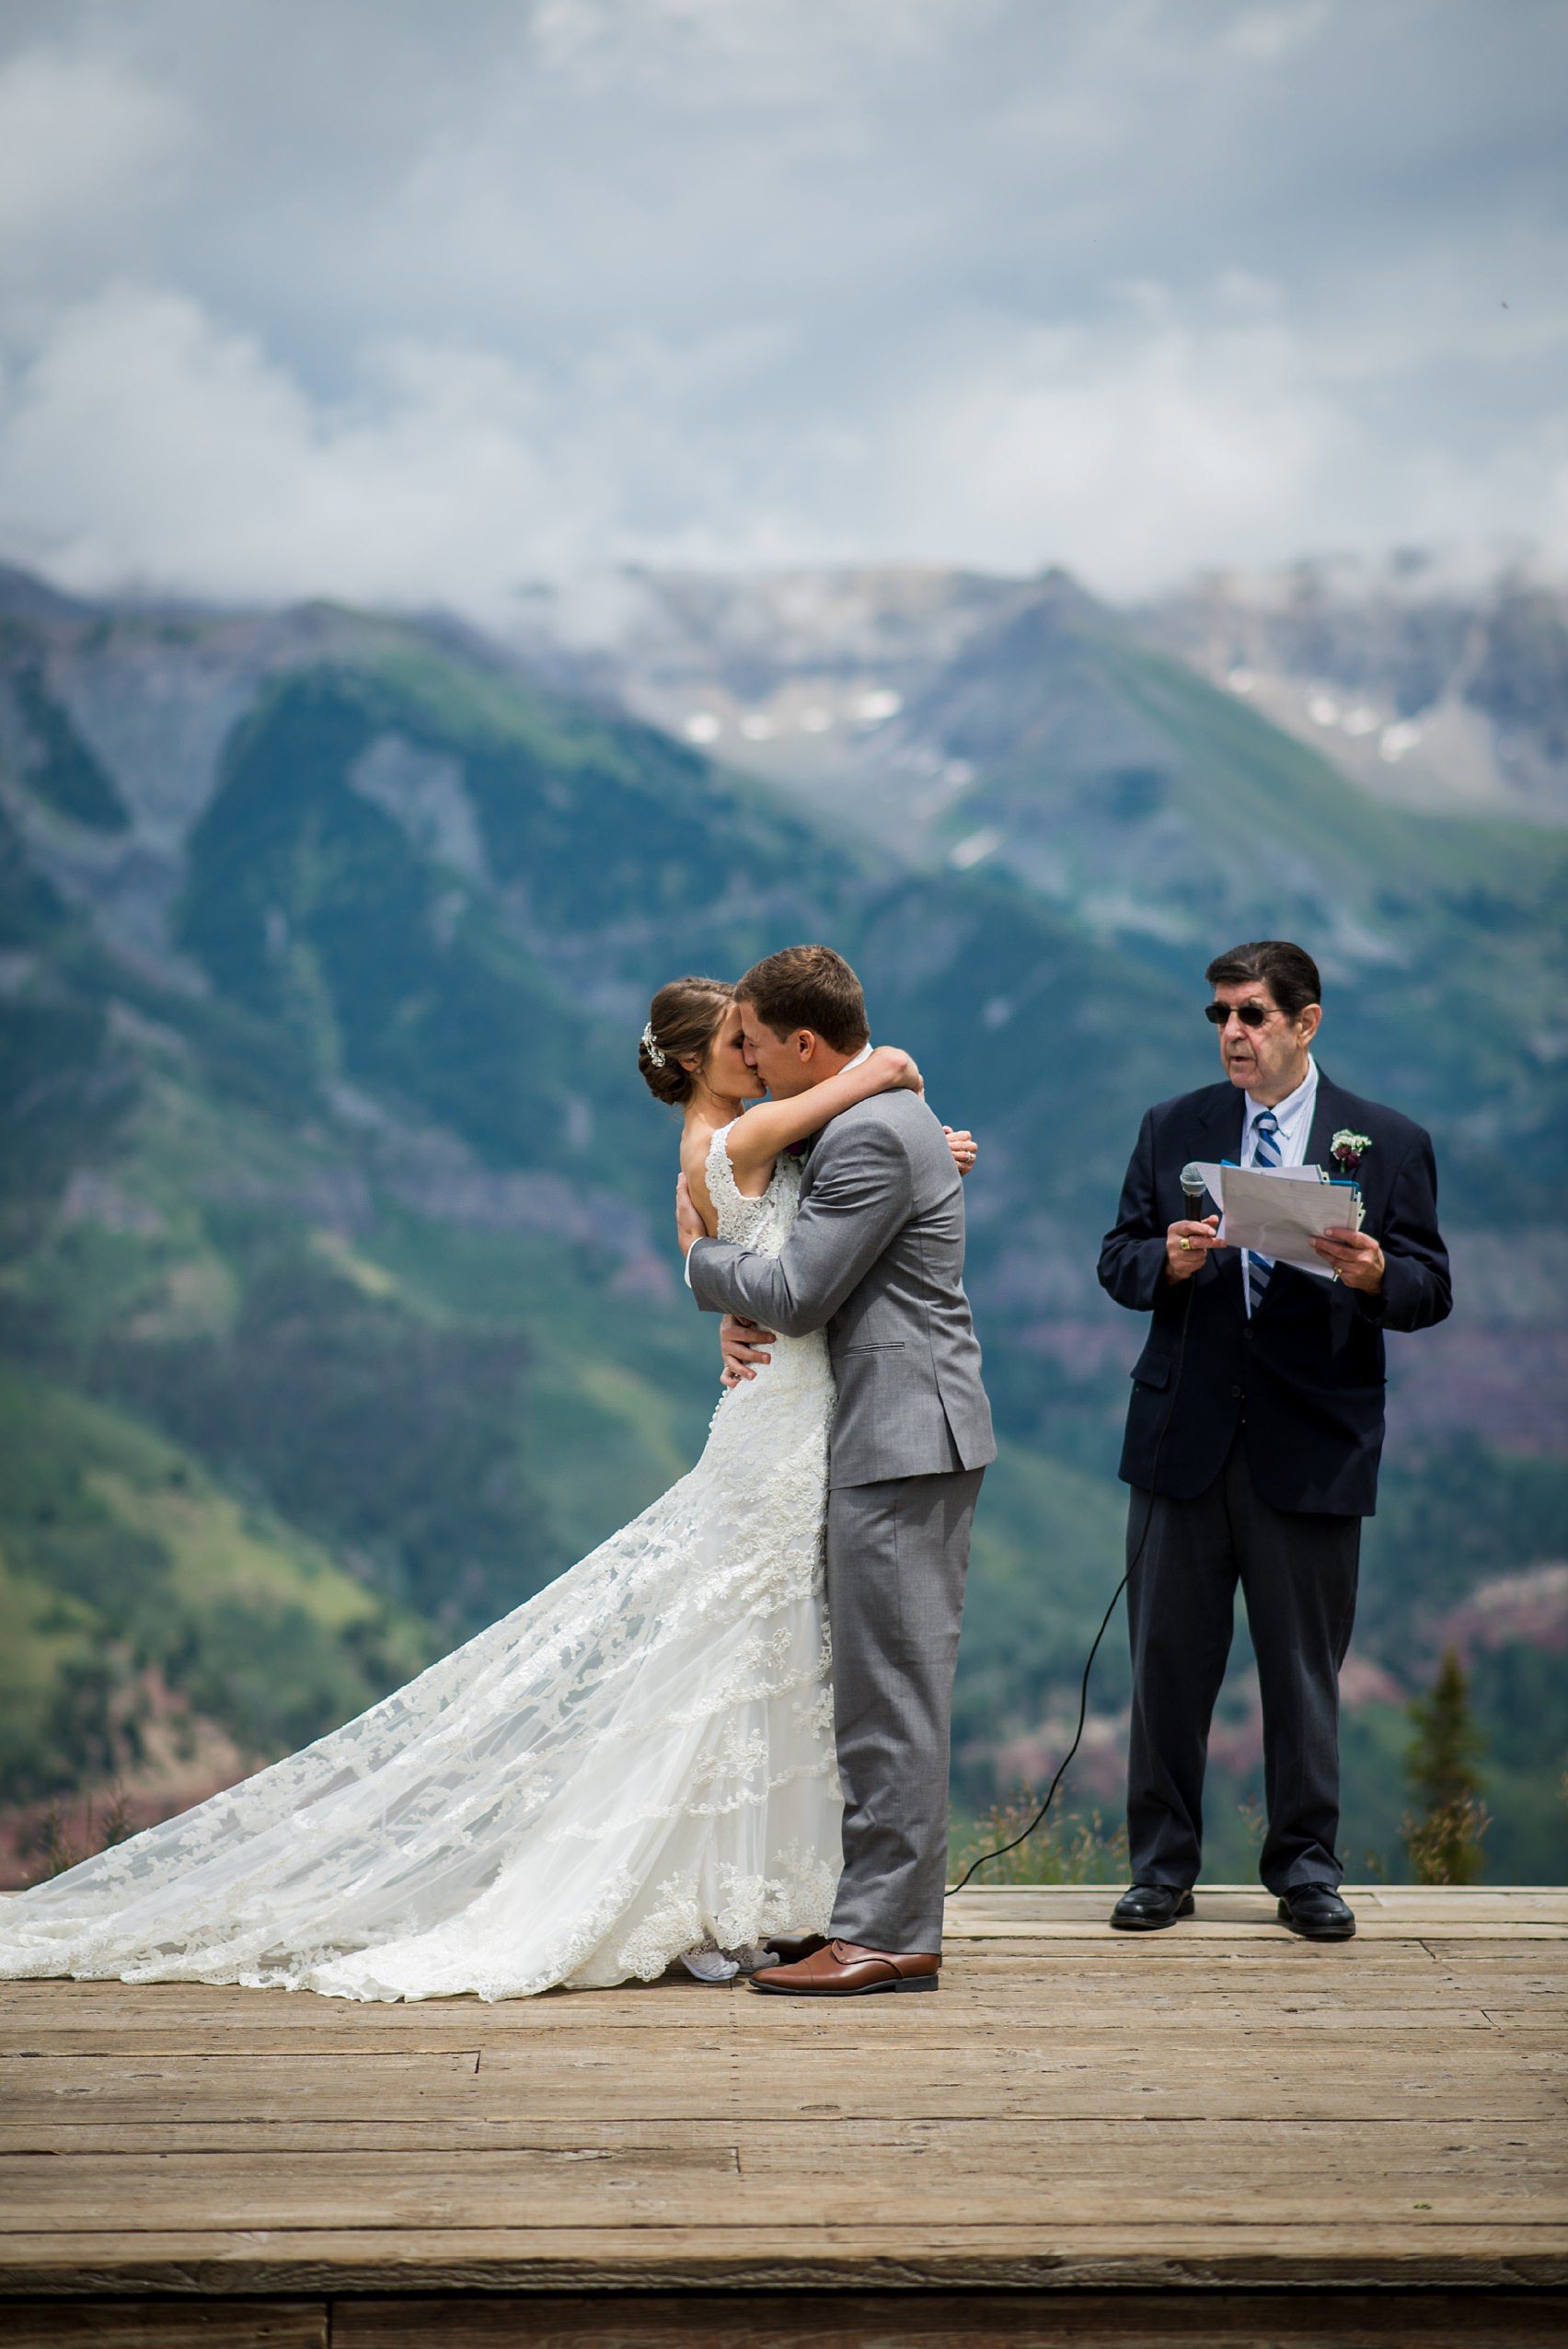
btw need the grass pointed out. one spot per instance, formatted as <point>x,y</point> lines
<point>1069,1850</point>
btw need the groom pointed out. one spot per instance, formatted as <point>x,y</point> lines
<point>875,1258</point>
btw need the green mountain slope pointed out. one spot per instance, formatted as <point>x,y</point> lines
<point>127,1574</point>
<point>326,1174</point>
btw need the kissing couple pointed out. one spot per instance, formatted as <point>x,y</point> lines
<point>660,1755</point>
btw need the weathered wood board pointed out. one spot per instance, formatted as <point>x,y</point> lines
<point>1214,2110</point>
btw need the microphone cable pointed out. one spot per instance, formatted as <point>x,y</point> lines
<point>1189,1192</point>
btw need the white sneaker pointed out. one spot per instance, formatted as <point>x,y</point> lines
<point>711,1965</point>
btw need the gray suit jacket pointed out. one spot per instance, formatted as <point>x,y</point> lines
<point>876,1258</point>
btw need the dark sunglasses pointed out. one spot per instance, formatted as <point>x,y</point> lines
<point>1250,1015</point>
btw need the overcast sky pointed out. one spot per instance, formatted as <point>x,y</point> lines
<point>414,300</point>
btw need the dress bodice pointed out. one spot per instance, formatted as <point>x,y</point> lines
<point>797,1373</point>
<point>763,1223</point>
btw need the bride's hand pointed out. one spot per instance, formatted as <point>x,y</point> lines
<point>964,1148</point>
<point>897,1070</point>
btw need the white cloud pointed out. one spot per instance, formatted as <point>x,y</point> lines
<point>800,45</point>
<point>88,149</point>
<point>1273,30</point>
<point>1120,452</point>
<point>147,443</point>
<point>331,296</point>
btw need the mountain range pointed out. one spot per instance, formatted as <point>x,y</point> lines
<point>337,1306</point>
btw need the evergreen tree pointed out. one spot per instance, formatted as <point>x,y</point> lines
<point>1442,1834</point>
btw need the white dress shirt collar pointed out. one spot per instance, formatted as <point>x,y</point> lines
<point>1296,1105</point>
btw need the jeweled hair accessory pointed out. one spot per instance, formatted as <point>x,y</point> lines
<point>650,1047</point>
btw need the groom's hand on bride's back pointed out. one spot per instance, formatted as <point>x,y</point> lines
<point>744,1347</point>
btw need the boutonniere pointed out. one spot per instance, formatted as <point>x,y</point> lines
<point>795,1150</point>
<point>1348,1150</point>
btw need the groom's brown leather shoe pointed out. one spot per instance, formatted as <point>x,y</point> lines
<point>843,1970</point>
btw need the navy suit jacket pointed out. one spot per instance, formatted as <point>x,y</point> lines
<point>1304,1377</point>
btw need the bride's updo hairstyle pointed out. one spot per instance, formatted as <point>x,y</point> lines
<point>682,1022</point>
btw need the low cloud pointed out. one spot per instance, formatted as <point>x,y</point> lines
<point>328,299</point>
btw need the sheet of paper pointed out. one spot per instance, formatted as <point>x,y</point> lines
<point>1277,1210</point>
<point>1214,1175</point>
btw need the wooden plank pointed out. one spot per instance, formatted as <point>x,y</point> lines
<point>1186,2073</point>
<point>1073,2109</point>
<point>1444,1900</point>
<point>171,2324</point>
<point>973,2141</point>
<point>982,1972</point>
<point>1193,2255</point>
<point>978,1981</point>
<point>1485,1941</point>
<point>850,2183</point>
<point>774,2320</point>
<point>1144,2022</point>
<point>1199,1929</point>
<point>1089,2080</point>
<point>838,2321</point>
<point>947,2321</point>
<point>1363,2006</point>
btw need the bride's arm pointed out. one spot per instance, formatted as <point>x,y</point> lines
<point>756,1140</point>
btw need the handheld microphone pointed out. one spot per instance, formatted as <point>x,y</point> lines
<point>1192,1189</point>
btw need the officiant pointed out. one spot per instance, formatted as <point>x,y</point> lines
<point>1257,1463</point>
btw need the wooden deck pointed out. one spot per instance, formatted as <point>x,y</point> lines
<point>1198,2116</point>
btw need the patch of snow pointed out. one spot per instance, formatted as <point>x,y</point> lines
<point>974,848</point>
<point>879,703</point>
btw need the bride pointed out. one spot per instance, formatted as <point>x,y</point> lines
<point>635,1765</point>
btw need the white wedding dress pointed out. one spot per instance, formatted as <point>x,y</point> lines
<point>638,1760</point>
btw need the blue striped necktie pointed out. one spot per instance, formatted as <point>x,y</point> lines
<point>1265,1153</point>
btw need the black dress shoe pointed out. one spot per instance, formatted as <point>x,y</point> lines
<point>1149,1908</point>
<point>792,1948</point>
<point>1317,1912</point>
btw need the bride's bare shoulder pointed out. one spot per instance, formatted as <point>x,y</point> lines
<point>696,1143</point>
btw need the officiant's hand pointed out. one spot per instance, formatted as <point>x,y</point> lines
<point>1186,1245</point>
<point>1355,1255</point>
<point>743,1344</point>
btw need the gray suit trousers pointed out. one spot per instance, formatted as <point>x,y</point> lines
<point>897,1557</point>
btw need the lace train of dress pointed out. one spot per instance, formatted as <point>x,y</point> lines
<point>636,1760</point>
